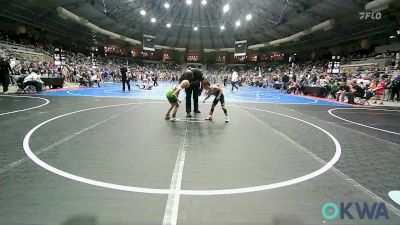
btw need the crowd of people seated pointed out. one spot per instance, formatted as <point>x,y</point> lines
<point>86,70</point>
<point>89,70</point>
<point>214,72</point>
<point>384,83</point>
<point>80,68</point>
<point>294,79</point>
<point>92,70</point>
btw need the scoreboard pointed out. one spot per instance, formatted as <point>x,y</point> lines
<point>148,42</point>
<point>240,48</point>
<point>334,65</point>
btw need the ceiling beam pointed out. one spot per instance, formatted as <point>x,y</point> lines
<point>200,27</point>
<point>177,10</point>
<point>209,30</point>
<point>180,30</point>
<point>189,37</point>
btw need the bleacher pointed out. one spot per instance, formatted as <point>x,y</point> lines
<point>24,52</point>
<point>380,62</point>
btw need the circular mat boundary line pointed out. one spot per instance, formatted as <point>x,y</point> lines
<point>27,109</point>
<point>360,124</point>
<point>293,181</point>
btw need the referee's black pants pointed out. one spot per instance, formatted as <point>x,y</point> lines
<point>126,81</point>
<point>195,91</point>
<point>234,85</point>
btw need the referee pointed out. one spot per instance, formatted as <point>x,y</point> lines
<point>5,69</point>
<point>195,89</point>
<point>125,78</point>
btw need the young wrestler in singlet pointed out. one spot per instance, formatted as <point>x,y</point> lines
<point>172,96</point>
<point>219,97</point>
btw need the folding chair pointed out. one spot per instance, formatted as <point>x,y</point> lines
<point>366,97</point>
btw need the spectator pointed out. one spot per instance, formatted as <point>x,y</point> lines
<point>356,91</point>
<point>334,88</point>
<point>344,91</point>
<point>225,80</point>
<point>395,88</point>
<point>94,78</point>
<point>33,79</point>
<point>292,88</point>
<point>155,78</point>
<point>125,78</point>
<point>379,91</point>
<point>285,81</point>
<point>234,80</point>
<point>5,69</point>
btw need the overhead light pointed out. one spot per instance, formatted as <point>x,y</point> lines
<point>195,28</point>
<point>392,37</point>
<point>222,27</point>
<point>398,32</point>
<point>204,2</point>
<point>189,2</point>
<point>153,20</point>
<point>168,25</point>
<point>142,12</point>
<point>248,17</point>
<point>226,8</point>
<point>166,5</point>
<point>237,23</point>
